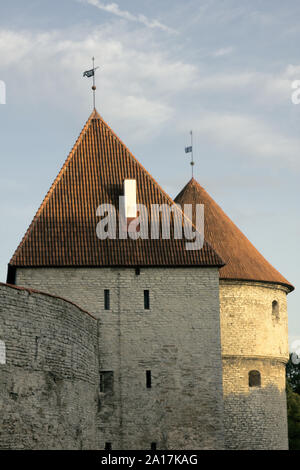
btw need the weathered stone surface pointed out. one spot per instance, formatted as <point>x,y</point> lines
<point>49,384</point>
<point>253,338</point>
<point>255,418</point>
<point>178,339</point>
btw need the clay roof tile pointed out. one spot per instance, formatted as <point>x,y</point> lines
<point>63,231</point>
<point>242,260</point>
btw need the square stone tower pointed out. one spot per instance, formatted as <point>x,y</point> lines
<point>156,302</point>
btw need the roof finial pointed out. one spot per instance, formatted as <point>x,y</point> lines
<point>91,73</point>
<point>190,150</point>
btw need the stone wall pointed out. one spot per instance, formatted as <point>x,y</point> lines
<point>254,337</point>
<point>255,417</point>
<point>49,383</point>
<point>178,340</point>
<point>248,326</point>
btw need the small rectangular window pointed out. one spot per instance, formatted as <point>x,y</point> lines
<point>153,446</point>
<point>106,299</point>
<point>146,300</point>
<point>107,381</point>
<point>148,379</point>
<point>108,446</point>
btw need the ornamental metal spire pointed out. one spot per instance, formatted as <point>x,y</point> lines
<point>190,150</point>
<point>91,73</point>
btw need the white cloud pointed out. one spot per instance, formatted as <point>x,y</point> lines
<point>114,9</point>
<point>264,87</point>
<point>139,87</point>
<point>135,84</point>
<point>249,137</point>
<point>223,51</point>
<point>221,82</point>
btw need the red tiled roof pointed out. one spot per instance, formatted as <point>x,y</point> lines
<point>242,260</point>
<point>63,231</point>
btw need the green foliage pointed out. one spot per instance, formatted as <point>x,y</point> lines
<point>293,376</point>
<point>293,404</point>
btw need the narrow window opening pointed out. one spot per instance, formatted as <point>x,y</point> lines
<point>11,275</point>
<point>254,378</point>
<point>106,299</point>
<point>137,271</point>
<point>148,379</point>
<point>107,381</point>
<point>108,446</point>
<point>146,300</point>
<point>2,353</point>
<point>153,446</point>
<point>36,347</point>
<point>275,309</point>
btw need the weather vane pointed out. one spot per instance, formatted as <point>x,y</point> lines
<point>91,73</point>
<point>190,150</point>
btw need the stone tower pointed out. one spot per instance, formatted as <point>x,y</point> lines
<point>156,303</point>
<point>254,332</point>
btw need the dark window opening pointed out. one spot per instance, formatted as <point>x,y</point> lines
<point>11,275</point>
<point>106,299</point>
<point>146,300</point>
<point>148,379</point>
<point>107,446</point>
<point>275,309</point>
<point>153,446</point>
<point>254,378</point>
<point>37,338</point>
<point>106,381</point>
<point>137,271</point>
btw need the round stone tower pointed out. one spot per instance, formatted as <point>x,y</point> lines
<point>254,332</point>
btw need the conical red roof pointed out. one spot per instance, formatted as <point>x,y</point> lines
<point>242,260</point>
<point>63,232</point>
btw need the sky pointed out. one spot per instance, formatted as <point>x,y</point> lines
<point>221,68</point>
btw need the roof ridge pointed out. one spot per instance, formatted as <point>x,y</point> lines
<point>153,179</point>
<point>136,160</point>
<point>52,242</point>
<point>58,178</point>
<point>94,115</point>
<point>235,258</point>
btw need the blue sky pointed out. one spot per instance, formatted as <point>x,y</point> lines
<point>221,68</point>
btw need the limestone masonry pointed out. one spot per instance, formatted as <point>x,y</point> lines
<point>138,344</point>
